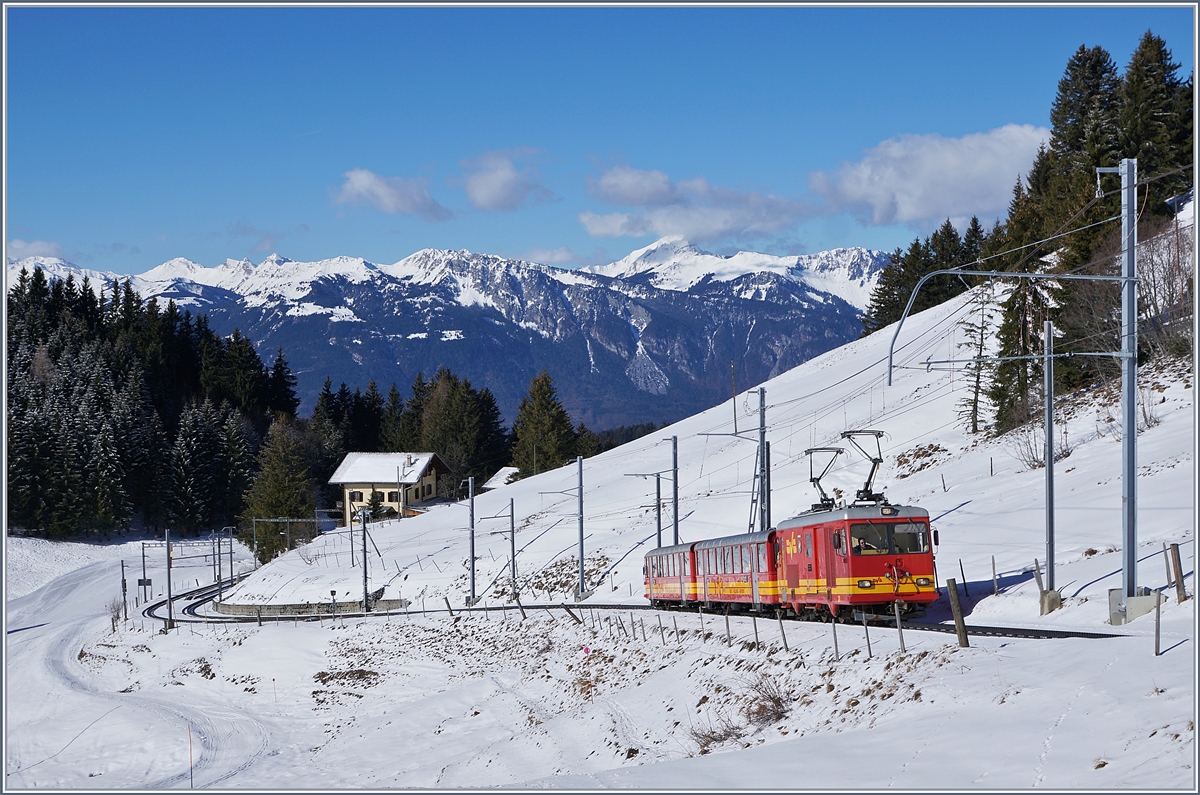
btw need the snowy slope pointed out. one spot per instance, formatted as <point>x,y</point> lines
<point>486,699</point>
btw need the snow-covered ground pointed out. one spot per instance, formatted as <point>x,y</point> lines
<point>486,699</point>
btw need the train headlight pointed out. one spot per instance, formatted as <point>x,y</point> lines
<point>924,581</point>
<point>866,583</point>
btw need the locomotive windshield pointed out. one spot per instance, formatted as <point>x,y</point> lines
<point>884,538</point>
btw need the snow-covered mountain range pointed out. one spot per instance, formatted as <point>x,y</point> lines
<point>647,338</point>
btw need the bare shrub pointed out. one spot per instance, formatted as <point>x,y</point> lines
<point>1149,412</point>
<point>769,702</point>
<point>114,612</point>
<point>714,733</point>
<point>1027,444</point>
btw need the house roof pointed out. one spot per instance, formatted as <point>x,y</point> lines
<point>384,468</point>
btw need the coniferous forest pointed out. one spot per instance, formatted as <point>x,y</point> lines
<point>119,408</point>
<point>123,412</point>
<point>1056,224</point>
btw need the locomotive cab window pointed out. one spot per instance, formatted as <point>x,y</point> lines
<point>869,539</point>
<point>901,538</point>
<point>910,538</point>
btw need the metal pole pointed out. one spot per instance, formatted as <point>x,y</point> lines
<point>1048,380</point>
<point>767,486</point>
<point>366,606</point>
<point>145,593</point>
<point>512,539</point>
<point>762,458</point>
<point>582,585</point>
<point>218,540</point>
<point>170,606</point>
<point>254,522</point>
<point>658,504</point>
<point>733,383</point>
<point>675,487</point>
<point>125,600</point>
<point>232,530</point>
<point>471,513</point>
<point>1129,372</point>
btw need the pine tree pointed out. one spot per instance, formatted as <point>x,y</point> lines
<point>977,327</point>
<point>112,507</point>
<point>543,437</point>
<point>368,418</point>
<point>450,424</point>
<point>391,438</point>
<point>1083,116</point>
<point>1151,108</point>
<point>375,505</point>
<point>587,443</point>
<point>281,387</point>
<point>282,487</point>
<point>494,446</point>
<point>196,460</point>
<point>410,421</point>
<point>238,469</point>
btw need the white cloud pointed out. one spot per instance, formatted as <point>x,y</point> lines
<point>625,185</point>
<point>19,249</point>
<point>551,256</point>
<point>692,209</point>
<point>391,194</point>
<point>494,182</point>
<point>563,255</point>
<point>922,179</point>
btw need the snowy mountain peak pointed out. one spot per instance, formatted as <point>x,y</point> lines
<point>662,252</point>
<point>178,268</point>
<point>672,263</point>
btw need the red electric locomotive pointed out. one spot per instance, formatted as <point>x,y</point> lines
<point>866,557</point>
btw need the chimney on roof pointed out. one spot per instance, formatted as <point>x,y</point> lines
<point>409,459</point>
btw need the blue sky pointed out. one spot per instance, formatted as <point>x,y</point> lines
<point>564,135</point>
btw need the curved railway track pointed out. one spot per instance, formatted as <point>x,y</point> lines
<point>198,597</point>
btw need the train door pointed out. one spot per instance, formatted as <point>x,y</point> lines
<point>791,563</point>
<point>834,546</point>
<point>684,570</point>
<point>811,567</point>
<point>756,559</point>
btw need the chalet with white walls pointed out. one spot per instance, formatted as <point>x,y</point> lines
<point>403,481</point>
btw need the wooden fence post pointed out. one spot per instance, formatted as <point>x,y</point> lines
<point>1180,591</point>
<point>960,628</point>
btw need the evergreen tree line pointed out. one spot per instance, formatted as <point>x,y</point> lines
<point>1098,118</point>
<point>463,425</point>
<point>119,408</point>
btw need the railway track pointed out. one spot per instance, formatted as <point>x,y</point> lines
<point>198,597</point>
